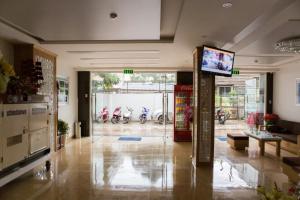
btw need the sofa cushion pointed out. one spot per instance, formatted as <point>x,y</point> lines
<point>287,137</point>
<point>292,161</point>
<point>278,129</point>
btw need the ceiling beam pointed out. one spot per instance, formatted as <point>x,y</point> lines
<point>264,24</point>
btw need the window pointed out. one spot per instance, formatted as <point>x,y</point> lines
<point>224,91</point>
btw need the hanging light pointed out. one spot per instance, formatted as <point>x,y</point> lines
<point>290,45</point>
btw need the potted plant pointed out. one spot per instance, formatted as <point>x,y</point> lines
<point>271,121</point>
<point>275,194</point>
<point>63,129</point>
<point>6,71</point>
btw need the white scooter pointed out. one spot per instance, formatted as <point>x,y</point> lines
<point>127,115</point>
<point>157,116</point>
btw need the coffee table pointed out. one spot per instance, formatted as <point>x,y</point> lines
<point>263,137</point>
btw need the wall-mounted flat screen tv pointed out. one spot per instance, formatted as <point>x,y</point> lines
<point>217,61</point>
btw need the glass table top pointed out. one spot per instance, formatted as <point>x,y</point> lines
<point>261,135</point>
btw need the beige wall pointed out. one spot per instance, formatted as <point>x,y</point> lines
<point>68,112</point>
<point>7,50</point>
<point>285,92</point>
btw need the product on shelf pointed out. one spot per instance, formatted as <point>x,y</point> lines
<point>183,114</point>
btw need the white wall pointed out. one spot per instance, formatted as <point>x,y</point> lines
<point>135,101</point>
<point>69,111</point>
<point>285,92</point>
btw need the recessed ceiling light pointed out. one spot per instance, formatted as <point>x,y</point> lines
<point>113,15</point>
<point>116,51</point>
<point>128,58</point>
<point>227,5</point>
<point>119,63</point>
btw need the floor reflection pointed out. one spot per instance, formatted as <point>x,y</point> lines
<point>110,169</point>
<point>227,175</point>
<point>149,129</point>
<point>131,171</point>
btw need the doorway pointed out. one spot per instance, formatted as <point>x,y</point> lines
<point>238,98</point>
<point>125,150</point>
<point>132,105</point>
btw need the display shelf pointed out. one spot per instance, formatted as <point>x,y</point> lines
<point>28,114</point>
<point>182,106</point>
<point>47,62</point>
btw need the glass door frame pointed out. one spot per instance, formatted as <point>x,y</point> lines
<point>165,101</point>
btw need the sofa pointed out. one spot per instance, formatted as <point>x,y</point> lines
<point>290,133</point>
<point>291,167</point>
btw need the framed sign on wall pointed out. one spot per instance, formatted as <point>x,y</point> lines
<point>63,90</point>
<point>298,92</point>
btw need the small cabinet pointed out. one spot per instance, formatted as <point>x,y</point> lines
<point>38,140</point>
<point>47,61</point>
<point>38,127</point>
<point>38,116</point>
<point>14,133</point>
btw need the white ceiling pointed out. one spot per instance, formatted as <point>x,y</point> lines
<point>250,28</point>
<point>59,20</point>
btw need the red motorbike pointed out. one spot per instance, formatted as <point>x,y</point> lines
<point>116,115</point>
<point>104,115</point>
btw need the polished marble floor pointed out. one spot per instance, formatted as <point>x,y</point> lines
<point>106,168</point>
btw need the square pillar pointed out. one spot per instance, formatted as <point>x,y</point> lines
<point>204,112</point>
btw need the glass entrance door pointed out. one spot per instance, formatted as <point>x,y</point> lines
<point>164,107</point>
<point>145,101</point>
<point>154,91</point>
<point>250,96</point>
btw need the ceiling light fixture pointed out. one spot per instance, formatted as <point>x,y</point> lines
<point>117,51</point>
<point>113,63</point>
<point>289,45</point>
<point>227,5</point>
<point>139,59</point>
<point>113,15</point>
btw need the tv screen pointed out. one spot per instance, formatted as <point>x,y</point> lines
<point>217,61</point>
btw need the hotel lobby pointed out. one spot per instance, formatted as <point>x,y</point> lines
<point>139,99</point>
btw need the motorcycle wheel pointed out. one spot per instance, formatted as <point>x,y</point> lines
<point>222,121</point>
<point>143,120</point>
<point>125,120</point>
<point>114,120</point>
<point>160,119</point>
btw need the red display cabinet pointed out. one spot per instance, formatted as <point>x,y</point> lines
<point>183,113</point>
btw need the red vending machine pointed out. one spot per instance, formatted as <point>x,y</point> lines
<point>183,113</point>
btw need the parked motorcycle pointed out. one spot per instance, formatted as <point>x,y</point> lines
<point>104,115</point>
<point>222,116</point>
<point>127,115</point>
<point>157,116</point>
<point>144,115</point>
<point>116,115</point>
